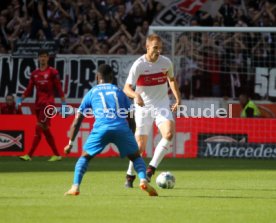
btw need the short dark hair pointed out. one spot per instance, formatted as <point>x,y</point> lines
<point>106,72</point>
<point>42,52</point>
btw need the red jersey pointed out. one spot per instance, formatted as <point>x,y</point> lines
<point>10,110</point>
<point>46,82</point>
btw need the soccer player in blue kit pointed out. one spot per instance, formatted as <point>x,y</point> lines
<point>110,108</point>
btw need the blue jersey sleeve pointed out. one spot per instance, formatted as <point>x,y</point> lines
<point>86,103</point>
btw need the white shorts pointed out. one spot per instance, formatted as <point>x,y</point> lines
<point>144,118</point>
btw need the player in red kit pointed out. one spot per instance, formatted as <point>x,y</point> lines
<point>45,79</point>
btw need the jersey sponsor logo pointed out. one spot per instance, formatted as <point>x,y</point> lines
<point>152,79</point>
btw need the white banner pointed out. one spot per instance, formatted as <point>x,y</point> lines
<point>77,73</point>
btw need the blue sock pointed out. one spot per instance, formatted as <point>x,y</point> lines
<point>80,169</point>
<point>140,167</point>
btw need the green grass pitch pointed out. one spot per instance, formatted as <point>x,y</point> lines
<point>206,191</point>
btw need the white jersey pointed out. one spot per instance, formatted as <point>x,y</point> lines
<point>150,80</point>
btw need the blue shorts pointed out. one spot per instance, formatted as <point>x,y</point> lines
<point>122,138</point>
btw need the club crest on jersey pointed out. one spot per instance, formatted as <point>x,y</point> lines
<point>46,76</point>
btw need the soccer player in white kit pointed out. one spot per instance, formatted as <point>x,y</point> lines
<point>150,74</point>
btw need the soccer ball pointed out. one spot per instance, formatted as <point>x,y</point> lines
<point>165,180</point>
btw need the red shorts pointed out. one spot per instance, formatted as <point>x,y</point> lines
<point>41,117</point>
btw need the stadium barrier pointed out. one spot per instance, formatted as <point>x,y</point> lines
<point>195,137</point>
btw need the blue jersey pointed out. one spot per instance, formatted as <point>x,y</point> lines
<point>109,105</point>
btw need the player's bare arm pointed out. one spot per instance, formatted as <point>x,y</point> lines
<point>41,14</point>
<point>175,89</point>
<point>73,132</point>
<point>132,94</point>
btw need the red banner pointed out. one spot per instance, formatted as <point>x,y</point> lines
<point>188,130</point>
<point>17,131</point>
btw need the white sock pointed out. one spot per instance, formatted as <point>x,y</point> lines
<point>163,147</point>
<point>130,170</point>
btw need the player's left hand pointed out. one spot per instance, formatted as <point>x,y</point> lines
<point>18,102</point>
<point>67,149</point>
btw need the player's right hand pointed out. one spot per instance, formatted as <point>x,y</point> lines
<point>67,149</point>
<point>139,100</point>
<point>18,102</point>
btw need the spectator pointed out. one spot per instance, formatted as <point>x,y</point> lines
<point>121,14</point>
<point>64,43</point>
<point>249,108</point>
<point>260,54</point>
<point>102,32</point>
<point>9,107</point>
<point>211,65</point>
<point>204,19</point>
<point>4,32</point>
<point>92,18</point>
<point>135,17</point>
<point>228,13</point>
<point>82,26</point>
<point>40,19</point>
<point>88,43</point>
<point>102,47</point>
<point>65,14</point>
<point>152,10</point>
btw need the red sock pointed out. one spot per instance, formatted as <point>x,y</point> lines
<point>36,140</point>
<point>50,139</point>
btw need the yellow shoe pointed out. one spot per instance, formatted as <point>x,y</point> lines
<point>55,158</point>
<point>145,186</point>
<point>74,191</point>
<point>25,158</point>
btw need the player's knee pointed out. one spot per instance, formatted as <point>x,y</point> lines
<point>141,146</point>
<point>38,135</point>
<point>142,142</point>
<point>42,125</point>
<point>134,156</point>
<point>86,156</point>
<point>38,131</point>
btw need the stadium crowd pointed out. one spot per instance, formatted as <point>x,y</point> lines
<point>110,26</point>
<point>79,27</point>
<point>120,27</point>
<point>209,56</point>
